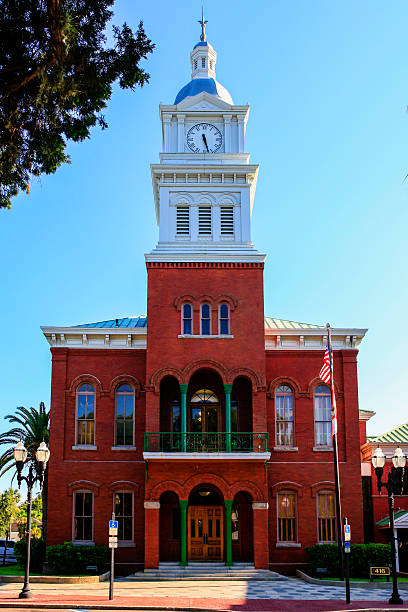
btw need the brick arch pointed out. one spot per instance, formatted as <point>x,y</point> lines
<point>193,367</point>
<point>248,487</point>
<point>184,299</point>
<point>123,379</point>
<point>224,298</point>
<point>323,485</point>
<point>206,478</point>
<point>120,485</point>
<point>83,485</point>
<point>258,382</point>
<point>287,485</point>
<point>158,376</point>
<point>316,382</point>
<point>162,487</point>
<point>284,380</point>
<point>83,379</point>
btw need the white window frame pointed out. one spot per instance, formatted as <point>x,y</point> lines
<point>223,319</point>
<point>205,236</point>
<point>277,394</point>
<point>182,319</point>
<point>115,443</point>
<point>74,515</point>
<point>201,319</point>
<point>184,235</point>
<point>286,492</point>
<point>325,492</point>
<point>126,542</point>
<point>329,441</point>
<point>78,392</point>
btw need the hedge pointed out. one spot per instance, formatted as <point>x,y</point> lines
<point>70,559</point>
<point>37,553</point>
<point>361,557</point>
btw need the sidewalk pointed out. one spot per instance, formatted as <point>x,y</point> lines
<point>292,595</point>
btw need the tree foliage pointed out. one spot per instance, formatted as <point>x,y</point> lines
<point>56,76</point>
<point>9,509</point>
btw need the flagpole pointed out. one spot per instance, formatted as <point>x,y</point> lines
<point>336,464</point>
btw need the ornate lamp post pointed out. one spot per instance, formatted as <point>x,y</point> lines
<point>21,457</point>
<point>393,485</point>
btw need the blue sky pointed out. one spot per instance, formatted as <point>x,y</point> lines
<point>328,88</point>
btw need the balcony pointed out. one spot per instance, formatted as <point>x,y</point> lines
<point>217,445</point>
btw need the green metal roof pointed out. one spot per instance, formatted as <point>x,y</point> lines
<point>397,435</point>
<point>385,522</point>
<point>271,323</point>
<point>366,411</point>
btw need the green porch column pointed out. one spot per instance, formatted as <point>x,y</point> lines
<point>228,531</point>
<point>183,531</point>
<point>183,391</point>
<point>228,389</point>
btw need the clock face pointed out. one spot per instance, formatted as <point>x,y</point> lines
<point>204,138</point>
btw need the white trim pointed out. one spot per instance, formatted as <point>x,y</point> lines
<point>325,492</point>
<point>84,447</point>
<point>125,542</point>
<point>125,394</point>
<point>123,448</point>
<point>323,448</point>
<point>285,449</point>
<point>229,320</point>
<point>77,392</point>
<point>207,456</point>
<point>82,542</point>
<point>288,545</point>
<point>288,491</point>
<point>212,336</point>
<point>284,394</point>
<point>151,505</point>
<point>260,506</point>
<point>207,319</point>
<point>183,335</point>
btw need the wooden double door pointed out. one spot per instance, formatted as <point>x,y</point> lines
<point>205,528</point>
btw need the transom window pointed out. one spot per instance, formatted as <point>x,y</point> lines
<point>224,319</point>
<point>86,415</point>
<point>187,319</point>
<point>322,416</point>
<point>204,396</point>
<point>124,515</point>
<point>326,517</point>
<point>205,319</point>
<point>287,517</point>
<point>284,416</point>
<point>83,516</point>
<point>124,415</point>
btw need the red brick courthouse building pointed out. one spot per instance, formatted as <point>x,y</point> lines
<point>203,425</point>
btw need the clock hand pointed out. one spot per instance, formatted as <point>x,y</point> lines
<point>205,142</point>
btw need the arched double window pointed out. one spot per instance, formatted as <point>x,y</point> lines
<point>284,416</point>
<point>187,321</point>
<point>85,426</point>
<point>124,415</point>
<point>322,416</point>
<point>205,319</point>
<point>224,320</point>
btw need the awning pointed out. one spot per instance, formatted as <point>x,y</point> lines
<point>400,520</point>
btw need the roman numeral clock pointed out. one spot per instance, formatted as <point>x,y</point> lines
<point>204,138</point>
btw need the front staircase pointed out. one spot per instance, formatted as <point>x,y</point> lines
<point>205,571</point>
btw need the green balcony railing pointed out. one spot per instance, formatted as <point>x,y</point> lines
<point>219,442</point>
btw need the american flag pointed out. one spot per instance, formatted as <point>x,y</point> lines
<point>326,375</point>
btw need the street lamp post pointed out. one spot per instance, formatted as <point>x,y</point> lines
<point>21,457</point>
<point>393,485</point>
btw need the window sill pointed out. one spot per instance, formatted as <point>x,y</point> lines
<point>323,448</point>
<point>290,449</point>
<point>288,545</point>
<point>205,336</point>
<point>123,448</point>
<point>126,544</point>
<point>83,543</point>
<point>84,447</point>
<point>329,542</point>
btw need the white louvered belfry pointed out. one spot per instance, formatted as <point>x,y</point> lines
<point>204,220</point>
<point>227,220</point>
<point>183,220</point>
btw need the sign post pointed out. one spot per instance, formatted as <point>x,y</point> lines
<point>113,543</point>
<point>347,551</point>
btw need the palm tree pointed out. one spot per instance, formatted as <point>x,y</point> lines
<point>33,428</point>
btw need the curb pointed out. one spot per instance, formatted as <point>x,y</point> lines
<point>56,579</point>
<point>119,606</point>
<point>369,585</point>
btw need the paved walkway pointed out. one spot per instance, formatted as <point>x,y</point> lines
<point>292,595</point>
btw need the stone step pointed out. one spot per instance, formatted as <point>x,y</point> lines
<point>205,571</point>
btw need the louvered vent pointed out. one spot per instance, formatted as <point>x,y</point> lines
<point>204,220</point>
<point>227,220</point>
<point>183,220</point>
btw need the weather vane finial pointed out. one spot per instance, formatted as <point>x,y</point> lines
<point>203,23</point>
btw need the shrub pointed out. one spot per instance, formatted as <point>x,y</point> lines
<point>37,553</point>
<point>70,559</point>
<point>361,557</point>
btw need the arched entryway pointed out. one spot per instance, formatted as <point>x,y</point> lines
<point>169,527</point>
<point>205,524</point>
<point>242,527</point>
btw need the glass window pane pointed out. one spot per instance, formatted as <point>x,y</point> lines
<point>196,420</point>
<point>176,419</point>
<point>128,406</point>
<point>120,406</point>
<point>79,504</point>
<point>118,504</point>
<point>125,389</point>
<point>205,327</point>
<point>129,433</point>
<point>89,432</point>
<point>224,327</point>
<point>87,504</point>
<point>127,504</point>
<point>187,311</point>
<point>224,311</point>
<point>187,326</point>
<point>127,528</point>
<point>205,311</point>
<point>90,406</point>
<point>81,406</point>
<point>86,388</point>
<point>78,528</point>
<point>120,432</point>
<point>87,523</point>
<point>81,432</point>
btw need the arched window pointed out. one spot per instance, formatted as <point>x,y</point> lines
<point>205,396</point>
<point>286,516</point>
<point>85,415</point>
<point>322,416</point>
<point>187,323</point>
<point>284,416</point>
<point>205,319</point>
<point>224,320</point>
<point>124,418</point>
<point>326,517</point>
